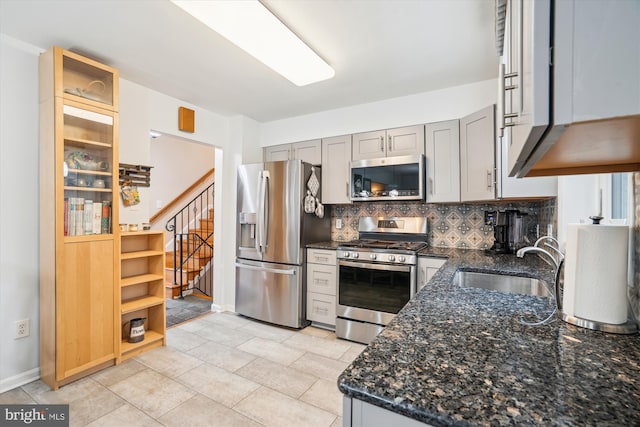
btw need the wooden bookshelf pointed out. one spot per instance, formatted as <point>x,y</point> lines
<point>142,260</point>
<point>78,283</point>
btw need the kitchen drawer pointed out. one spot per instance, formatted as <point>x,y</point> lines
<point>322,278</point>
<point>321,256</point>
<point>321,308</point>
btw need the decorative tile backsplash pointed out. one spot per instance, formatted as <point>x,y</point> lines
<point>449,225</point>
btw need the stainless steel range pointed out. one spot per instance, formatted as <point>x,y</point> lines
<point>377,274</point>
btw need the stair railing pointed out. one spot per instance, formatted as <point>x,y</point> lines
<point>191,240</point>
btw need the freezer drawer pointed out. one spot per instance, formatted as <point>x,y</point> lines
<point>271,292</point>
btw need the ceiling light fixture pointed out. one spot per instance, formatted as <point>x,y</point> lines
<point>250,26</point>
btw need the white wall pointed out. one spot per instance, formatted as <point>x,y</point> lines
<point>19,211</point>
<point>243,147</point>
<point>141,109</point>
<point>577,200</point>
<point>426,107</point>
<point>134,144</point>
<point>177,164</point>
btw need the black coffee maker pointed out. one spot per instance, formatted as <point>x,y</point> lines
<point>508,230</point>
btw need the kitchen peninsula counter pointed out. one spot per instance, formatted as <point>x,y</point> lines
<point>462,356</point>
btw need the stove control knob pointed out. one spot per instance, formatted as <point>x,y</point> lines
<point>392,258</point>
<point>401,258</point>
<point>356,255</point>
<point>346,254</point>
<point>373,256</point>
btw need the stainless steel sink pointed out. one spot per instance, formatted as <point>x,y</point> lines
<point>501,283</point>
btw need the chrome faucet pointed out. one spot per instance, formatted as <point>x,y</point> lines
<point>523,251</point>
<point>556,248</point>
<point>553,239</point>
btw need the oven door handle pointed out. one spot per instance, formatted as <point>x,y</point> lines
<point>367,265</point>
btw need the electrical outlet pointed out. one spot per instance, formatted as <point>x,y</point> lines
<point>22,328</point>
<point>338,223</point>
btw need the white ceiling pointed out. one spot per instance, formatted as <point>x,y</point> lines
<point>379,49</point>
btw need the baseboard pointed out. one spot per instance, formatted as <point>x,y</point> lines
<point>19,380</point>
<point>221,308</point>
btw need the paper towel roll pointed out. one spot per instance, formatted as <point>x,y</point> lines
<point>595,275</point>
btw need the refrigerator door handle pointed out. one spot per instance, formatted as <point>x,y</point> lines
<point>259,225</point>
<point>265,269</point>
<point>266,214</point>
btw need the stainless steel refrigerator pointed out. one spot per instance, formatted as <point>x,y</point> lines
<point>272,232</point>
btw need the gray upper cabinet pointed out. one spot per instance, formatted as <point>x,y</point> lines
<point>571,73</point>
<point>277,152</point>
<point>442,151</point>
<point>307,151</point>
<point>528,84</point>
<point>477,155</point>
<point>404,141</point>
<point>336,155</point>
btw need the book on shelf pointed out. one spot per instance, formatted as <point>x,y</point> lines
<point>79,231</point>
<point>106,218</point>
<point>72,216</point>
<point>96,222</point>
<point>85,217</point>
<point>88,217</point>
<point>66,216</point>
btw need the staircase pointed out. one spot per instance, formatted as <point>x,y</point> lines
<point>189,267</point>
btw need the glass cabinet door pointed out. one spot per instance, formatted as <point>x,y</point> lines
<point>88,170</point>
<point>87,81</point>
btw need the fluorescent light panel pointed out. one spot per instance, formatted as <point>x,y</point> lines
<point>250,26</point>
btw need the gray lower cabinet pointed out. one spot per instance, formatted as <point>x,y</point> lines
<point>356,413</point>
<point>427,267</point>
<point>322,283</point>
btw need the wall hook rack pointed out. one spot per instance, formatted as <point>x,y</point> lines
<point>138,175</point>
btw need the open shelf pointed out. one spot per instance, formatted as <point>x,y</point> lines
<point>135,304</point>
<point>139,279</point>
<point>150,337</point>
<point>140,254</point>
<point>142,294</point>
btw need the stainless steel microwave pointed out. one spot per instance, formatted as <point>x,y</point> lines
<point>388,178</point>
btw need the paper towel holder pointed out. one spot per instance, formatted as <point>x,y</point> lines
<point>629,327</point>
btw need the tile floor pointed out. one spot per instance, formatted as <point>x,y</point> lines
<point>181,310</point>
<point>218,370</point>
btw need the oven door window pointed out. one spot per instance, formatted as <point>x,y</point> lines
<point>376,287</point>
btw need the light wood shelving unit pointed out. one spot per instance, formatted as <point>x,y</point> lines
<point>142,261</point>
<point>78,305</point>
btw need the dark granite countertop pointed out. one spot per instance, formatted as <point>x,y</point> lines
<point>461,356</point>
<point>331,245</point>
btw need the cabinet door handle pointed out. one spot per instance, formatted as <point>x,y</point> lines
<point>502,106</point>
<point>489,179</point>
<point>382,144</point>
<point>389,143</point>
<point>347,183</point>
<point>430,186</point>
